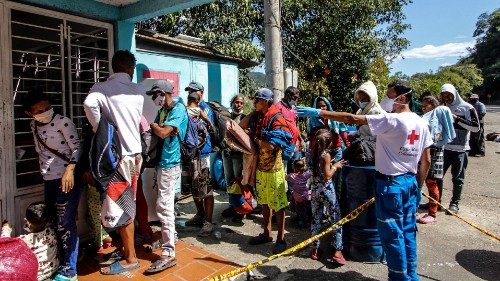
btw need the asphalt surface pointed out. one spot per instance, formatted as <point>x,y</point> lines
<point>447,250</point>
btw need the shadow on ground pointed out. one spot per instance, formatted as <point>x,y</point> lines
<point>273,273</point>
<point>482,263</point>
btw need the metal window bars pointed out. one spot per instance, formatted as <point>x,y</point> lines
<point>61,58</point>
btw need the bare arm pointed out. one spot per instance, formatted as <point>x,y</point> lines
<point>205,118</point>
<point>425,163</point>
<point>344,117</point>
<point>162,131</point>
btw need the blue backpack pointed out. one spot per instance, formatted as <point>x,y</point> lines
<point>105,153</point>
<point>196,136</point>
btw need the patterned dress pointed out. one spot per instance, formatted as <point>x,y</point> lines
<point>325,207</point>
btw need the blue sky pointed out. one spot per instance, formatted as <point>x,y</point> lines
<point>441,31</point>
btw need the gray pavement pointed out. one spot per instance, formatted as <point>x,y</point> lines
<point>447,250</point>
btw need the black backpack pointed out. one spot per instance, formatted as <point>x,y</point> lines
<point>361,152</point>
<point>221,114</point>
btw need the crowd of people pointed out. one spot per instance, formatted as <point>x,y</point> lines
<point>267,161</point>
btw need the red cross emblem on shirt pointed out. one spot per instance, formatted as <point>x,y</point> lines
<point>413,137</point>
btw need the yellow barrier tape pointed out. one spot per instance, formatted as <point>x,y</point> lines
<point>351,216</point>
<point>483,230</point>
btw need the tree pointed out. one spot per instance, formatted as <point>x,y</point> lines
<point>465,78</point>
<point>486,53</point>
<point>331,43</point>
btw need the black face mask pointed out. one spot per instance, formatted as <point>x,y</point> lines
<point>473,100</point>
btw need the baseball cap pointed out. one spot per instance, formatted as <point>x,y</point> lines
<point>161,85</point>
<point>264,94</point>
<point>194,86</point>
<point>474,96</point>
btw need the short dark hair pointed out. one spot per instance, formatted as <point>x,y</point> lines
<point>36,216</point>
<point>300,164</point>
<point>291,91</point>
<point>122,61</point>
<point>432,100</point>
<point>33,97</point>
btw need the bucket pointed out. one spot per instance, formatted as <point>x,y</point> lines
<point>361,237</point>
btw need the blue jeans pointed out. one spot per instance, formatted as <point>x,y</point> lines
<point>61,209</point>
<point>396,201</point>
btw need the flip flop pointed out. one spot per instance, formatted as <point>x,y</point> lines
<point>115,255</point>
<point>117,268</point>
<point>160,265</point>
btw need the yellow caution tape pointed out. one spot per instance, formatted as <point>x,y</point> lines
<point>351,216</point>
<point>483,230</point>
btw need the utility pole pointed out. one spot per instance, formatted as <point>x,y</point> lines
<point>273,48</point>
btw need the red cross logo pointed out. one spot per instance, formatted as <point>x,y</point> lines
<point>413,137</point>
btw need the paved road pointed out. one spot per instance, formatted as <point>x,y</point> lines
<point>447,250</point>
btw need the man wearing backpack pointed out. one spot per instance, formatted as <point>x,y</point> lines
<point>119,101</point>
<point>203,195</point>
<point>170,125</point>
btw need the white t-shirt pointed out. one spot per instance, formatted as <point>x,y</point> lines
<point>120,101</point>
<point>401,138</point>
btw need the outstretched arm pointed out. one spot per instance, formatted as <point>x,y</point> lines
<point>337,116</point>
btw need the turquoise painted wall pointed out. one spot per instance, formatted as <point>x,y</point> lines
<point>219,79</point>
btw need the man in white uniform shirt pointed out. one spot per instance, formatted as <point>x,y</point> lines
<point>403,140</point>
<point>120,101</point>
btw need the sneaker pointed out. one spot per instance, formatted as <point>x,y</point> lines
<point>207,229</point>
<point>61,277</point>
<point>197,220</point>
<point>260,239</point>
<point>453,209</point>
<point>279,247</point>
<point>426,219</point>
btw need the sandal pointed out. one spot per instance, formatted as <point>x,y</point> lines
<point>117,268</point>
<point>161,264</point>
<point>115,255</point>
<point>338,260</point>
<point>260,239</point>
<point>279,247</point>
<point>153,246</point>
<point>315,254</point>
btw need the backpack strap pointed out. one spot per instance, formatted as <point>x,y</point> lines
<point>55,152</point>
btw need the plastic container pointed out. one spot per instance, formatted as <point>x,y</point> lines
<point>360,236</point>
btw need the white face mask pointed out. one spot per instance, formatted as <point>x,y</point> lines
<point>362,104</point>
<point>387,103</point>
<point>160,100</point>
<point>44,117</point>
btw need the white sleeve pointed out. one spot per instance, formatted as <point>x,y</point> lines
<point>92,108</point>
<point>380,123</point>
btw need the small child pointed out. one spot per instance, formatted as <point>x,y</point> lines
<point>41,240</point>
<point>300,200</point>
<point>325,207</point>
<point>194,110</point>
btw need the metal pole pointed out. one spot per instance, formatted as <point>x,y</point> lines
<point>273,45</point>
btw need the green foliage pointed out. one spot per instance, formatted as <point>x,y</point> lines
<point>331,43</point>
<point>378,73</point>
<point>486,54</point>
<point>465,78</point>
